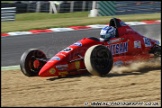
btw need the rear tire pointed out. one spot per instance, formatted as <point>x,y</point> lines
<point>98,60</point>
<point>29,62</point>
<point>157,51</point>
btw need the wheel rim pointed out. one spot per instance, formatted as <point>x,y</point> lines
<point>33,64</point>
<point>101,59</point>
<point>36,64</point>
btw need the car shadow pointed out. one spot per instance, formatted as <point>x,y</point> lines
<point>109,75</point>
<point>87,74</point>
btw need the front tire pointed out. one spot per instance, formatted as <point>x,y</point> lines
<point>30,64</point>
<point>98,60</point>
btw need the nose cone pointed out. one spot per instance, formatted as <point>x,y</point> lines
<point>48,70</point>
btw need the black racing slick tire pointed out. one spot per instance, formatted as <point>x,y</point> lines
<point>98,60</point>
<point>30,63</point>
<point>157,51</point>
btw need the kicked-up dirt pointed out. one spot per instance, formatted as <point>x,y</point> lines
<point>136,85</point>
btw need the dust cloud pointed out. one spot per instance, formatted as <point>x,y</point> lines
<point>138,66</point>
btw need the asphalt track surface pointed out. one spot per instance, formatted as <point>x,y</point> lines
<point>13,47</point>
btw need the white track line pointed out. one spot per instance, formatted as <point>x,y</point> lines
<point>10,67</point>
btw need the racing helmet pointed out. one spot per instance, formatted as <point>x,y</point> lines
<point>108,32</point>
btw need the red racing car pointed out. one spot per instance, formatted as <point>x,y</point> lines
<point>92,55</point>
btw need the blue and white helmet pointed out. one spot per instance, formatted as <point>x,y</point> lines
<point>108,32</point>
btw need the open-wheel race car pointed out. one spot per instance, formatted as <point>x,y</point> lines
<point>92,54</point>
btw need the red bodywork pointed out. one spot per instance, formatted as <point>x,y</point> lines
<point>128,47</point>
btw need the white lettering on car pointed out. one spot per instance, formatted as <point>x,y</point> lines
<point>118,48</point>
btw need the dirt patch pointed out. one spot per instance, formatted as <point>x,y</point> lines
<point>138,84</point>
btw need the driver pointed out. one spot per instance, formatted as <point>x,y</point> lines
<point>107,33</point>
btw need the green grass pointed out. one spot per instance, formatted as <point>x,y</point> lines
<point>44,16</point>
<point>30,21</point>
<point>7,1</point>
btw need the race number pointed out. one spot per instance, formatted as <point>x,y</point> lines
<point>147,42</point>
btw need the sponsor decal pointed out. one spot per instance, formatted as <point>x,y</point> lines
<point>129,30</point>
<point>52,71</point>
<point>77,44</point>
<point>62,67</point>
<point>118,48</point>
<point>115,40</point>
<point>118,63</point>
<point>64,73</point>
<point>77,64</point>
<point>68,49</point>
<point>55,58</point>
<point>147,42</point>
<point>60,53</point>
<point>137,44</point>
